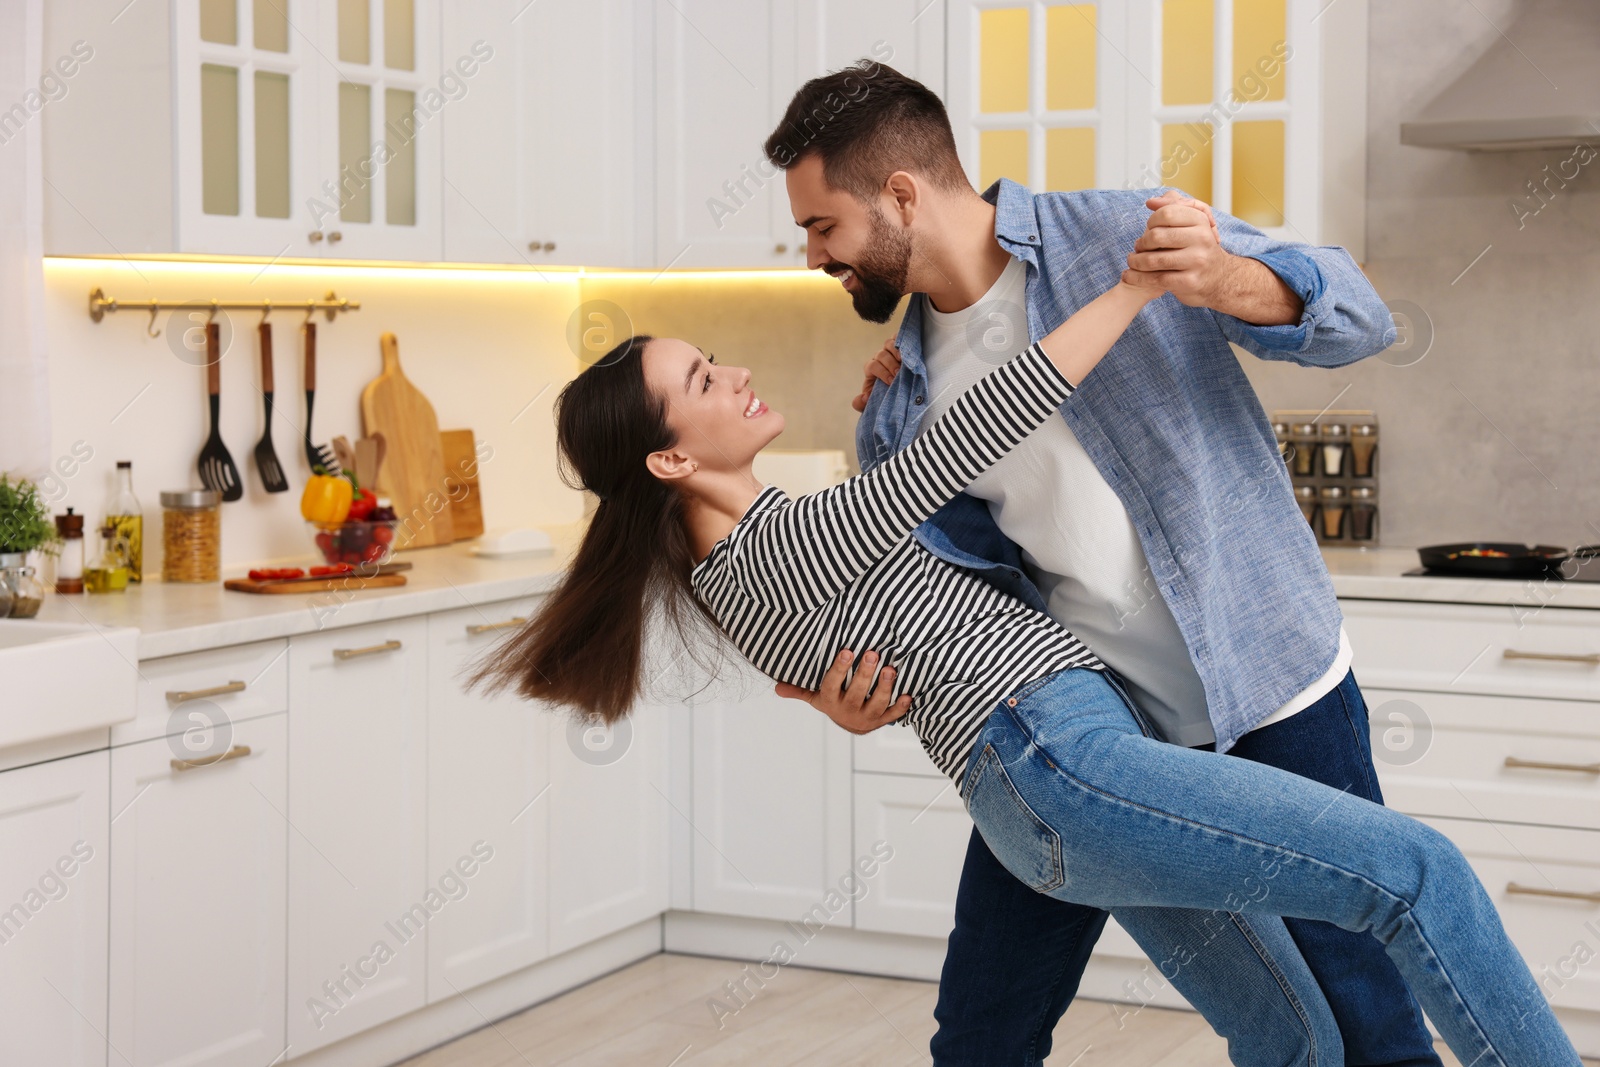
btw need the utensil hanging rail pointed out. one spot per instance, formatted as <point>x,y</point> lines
<point>330,304</point>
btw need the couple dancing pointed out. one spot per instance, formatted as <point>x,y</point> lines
<point>1077,564</point>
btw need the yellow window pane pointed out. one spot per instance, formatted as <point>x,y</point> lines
<point>1003,59</point>
<point>270,25</point>
<point>1069,158</point>
<point>219,21</point>
<point>399,35</point>
<point>1002,154</point>
<point>355,31</point>
<point>1260,44</point>
<point>400,172</point>
<point>1258,172</point>
<point>272,145</point>
<point>1069,57</point>
<point>1187,46</point>
<point>219,139</point>
<point>1186,158</point>
<point>357,161</point>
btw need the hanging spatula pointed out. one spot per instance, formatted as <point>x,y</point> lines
<point>318,457</point>
<point>271,471</point>
<point>217,471</point>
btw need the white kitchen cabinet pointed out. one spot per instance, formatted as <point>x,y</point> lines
<point>198,895</point>
<point>1256,106</point>
<point>54,830</point>
<point>907,35</point>
<point>609,807</point>
<point>488,779</point>
<point>725,70</point>
<point>924,823</point>
<point>361,894</point>
<point>546,152</point>
<point>771,813</point>
<point>894,749</point>
<point>271,128</point>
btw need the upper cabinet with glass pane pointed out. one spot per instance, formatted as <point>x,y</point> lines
<point>1255,106</point>
<point>297,128</point>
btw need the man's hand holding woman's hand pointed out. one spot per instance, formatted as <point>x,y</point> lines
<point>1180,251</point>
<point>858,707</point>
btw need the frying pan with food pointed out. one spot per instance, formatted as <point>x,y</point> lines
<point>1493,559</point>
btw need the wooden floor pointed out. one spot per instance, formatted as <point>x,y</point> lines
<point>658,1013</point>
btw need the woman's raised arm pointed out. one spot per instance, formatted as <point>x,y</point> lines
<point>795,558</point>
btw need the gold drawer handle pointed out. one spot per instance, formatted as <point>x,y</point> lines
<point>1591,658</point>
<point>1540,765</point>
<point>183,695</point>
<point>1564,894</point>
<point>190,764</point>
<point>483,628</point>
<point>370,650</point>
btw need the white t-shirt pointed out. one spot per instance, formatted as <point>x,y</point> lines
<point>1078,544</point>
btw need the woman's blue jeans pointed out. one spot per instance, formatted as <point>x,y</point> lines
<point>1077,802</point>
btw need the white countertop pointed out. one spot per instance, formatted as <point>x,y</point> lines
<point>174,619</point>
<point>1379,574</point>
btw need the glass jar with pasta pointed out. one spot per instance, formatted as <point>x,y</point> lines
<point>191,535</point>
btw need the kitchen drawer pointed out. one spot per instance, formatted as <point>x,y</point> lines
<point>1558,935</point>
<point>1473,649</point>
<point>201,688</point>
<point>893,749</point>
<point>1447,754</point>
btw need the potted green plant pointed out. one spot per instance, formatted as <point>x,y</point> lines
<point>25,527</point>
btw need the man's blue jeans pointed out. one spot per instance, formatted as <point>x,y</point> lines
<point>1016,954</point>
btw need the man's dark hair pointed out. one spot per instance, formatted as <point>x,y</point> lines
<point>866,122</point>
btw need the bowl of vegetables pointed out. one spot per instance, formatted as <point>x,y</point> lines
<point>348,523</point>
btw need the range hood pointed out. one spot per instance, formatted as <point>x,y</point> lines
<point>1538,86</point>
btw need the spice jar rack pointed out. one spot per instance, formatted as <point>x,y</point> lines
<point>1332,457</point>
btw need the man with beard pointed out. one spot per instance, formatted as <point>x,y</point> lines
<point>1154,520</point>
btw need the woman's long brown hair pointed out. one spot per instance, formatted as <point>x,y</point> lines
<point>585,646</point>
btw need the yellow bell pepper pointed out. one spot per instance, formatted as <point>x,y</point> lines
<point>326,499</point>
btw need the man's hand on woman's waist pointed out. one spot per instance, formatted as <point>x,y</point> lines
<point>859,707</point>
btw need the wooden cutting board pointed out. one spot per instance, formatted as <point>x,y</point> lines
<point>413,472</point>
<point>461,466</point>
<point>339,582</point>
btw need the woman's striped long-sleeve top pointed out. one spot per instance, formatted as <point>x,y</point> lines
<point>797,580</point>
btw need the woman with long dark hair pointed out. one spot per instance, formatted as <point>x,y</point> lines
<point>1055,765</point>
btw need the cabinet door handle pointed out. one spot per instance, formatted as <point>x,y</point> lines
<point>314,236</point>
<point>486,627</point>
<point>235,752</point>
<point>1540,765</point>
<point>179,696</point>
<point>1563,894</point>
<point>1591,658</point>
<point>335,237</point>
<point>780,248</point>
<point>370,650</point>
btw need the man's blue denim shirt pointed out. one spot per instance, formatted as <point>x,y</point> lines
<point>1171,421</point>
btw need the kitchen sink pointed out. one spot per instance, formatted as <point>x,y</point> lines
<point>61,678</point>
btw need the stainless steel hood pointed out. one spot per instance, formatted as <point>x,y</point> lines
<point>1538,86</point>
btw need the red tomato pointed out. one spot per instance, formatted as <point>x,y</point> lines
<point>373,553</point>
<point>383,534</point>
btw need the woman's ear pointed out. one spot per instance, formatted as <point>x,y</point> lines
<point>670,464</point>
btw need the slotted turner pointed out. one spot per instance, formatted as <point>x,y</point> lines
<point>217,471</point>
<point>317,456</point>
<point>267,464</point>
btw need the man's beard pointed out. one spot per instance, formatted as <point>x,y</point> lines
<point>881,271</point>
